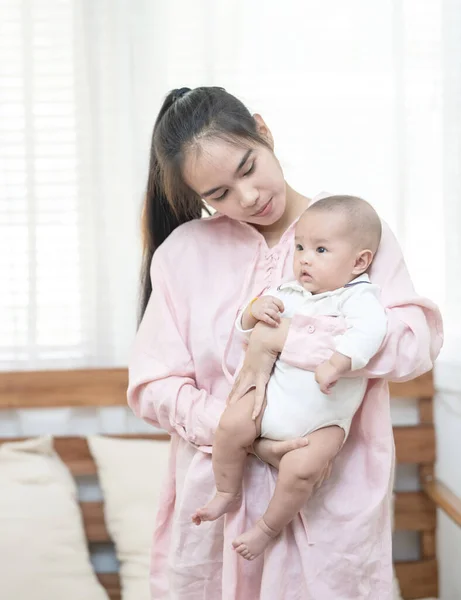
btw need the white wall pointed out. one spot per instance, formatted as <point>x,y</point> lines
<point>448,470</point>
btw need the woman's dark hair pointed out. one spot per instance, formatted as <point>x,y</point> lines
<point>186,117</point>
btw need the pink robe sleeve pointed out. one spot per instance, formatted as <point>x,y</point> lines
<point>162,388</point>
<point>414,333</point>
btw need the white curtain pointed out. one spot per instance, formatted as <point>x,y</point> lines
<point>353,91</point>
<point>451,203</point>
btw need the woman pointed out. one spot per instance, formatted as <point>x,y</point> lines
<point>207,146</point>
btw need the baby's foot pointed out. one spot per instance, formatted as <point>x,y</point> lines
<point>222,503</point>
<point>253,542</point>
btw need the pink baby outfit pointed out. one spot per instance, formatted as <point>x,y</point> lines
<point>339,548</point>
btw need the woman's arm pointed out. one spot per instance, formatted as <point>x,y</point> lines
<point>162,388</point>
<point>414,333</point>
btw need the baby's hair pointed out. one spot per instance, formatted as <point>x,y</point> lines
<point>362,219</point>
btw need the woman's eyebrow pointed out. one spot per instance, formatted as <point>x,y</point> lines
<point>245,157</point>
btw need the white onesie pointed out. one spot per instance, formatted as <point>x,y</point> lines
<point>295,404</point>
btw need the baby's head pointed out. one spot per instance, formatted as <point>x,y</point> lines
<point>335,242</point>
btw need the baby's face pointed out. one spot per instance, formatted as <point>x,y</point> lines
<point>325,256</point>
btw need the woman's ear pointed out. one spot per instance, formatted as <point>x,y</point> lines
<point>362,262</point>
<point>264,130</point>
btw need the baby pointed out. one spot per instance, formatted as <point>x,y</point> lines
<point>335,242</point>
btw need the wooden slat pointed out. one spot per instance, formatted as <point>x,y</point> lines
<point>111,583</point>
<point>94,522</point>
<point>445,499</point>
<point>417,579</point>
<point>426,411</point>
<point>421,387</point>
<point>415,445</point>
<point>414,511</point>
<point>51,389</point>
<point>428,544</point>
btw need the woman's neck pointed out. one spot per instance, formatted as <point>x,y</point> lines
<point>296,204</point>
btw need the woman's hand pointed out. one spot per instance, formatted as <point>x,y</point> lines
<point>271,452</point>
<point>264,346</point>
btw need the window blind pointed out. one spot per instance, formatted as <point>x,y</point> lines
<point>41,303</point>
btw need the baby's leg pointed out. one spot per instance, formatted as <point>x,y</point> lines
<point>299,471</point>
<point>236,431</point>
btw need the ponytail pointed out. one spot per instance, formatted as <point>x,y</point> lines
<point>159,219</point>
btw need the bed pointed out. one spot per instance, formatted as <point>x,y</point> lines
<point>414,511</point>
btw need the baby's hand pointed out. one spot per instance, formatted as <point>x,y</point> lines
<point>326,375</point>
<point>267,309</point>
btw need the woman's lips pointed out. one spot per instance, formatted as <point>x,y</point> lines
<point>265,210</point>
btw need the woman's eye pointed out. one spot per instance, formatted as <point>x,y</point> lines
<point>299,247</point>
<point>250,170</point>
<point>222,196</point>
<point>321,249</point>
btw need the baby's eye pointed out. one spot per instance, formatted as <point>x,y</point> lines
<point>321,249</point>
<point>299,247</point>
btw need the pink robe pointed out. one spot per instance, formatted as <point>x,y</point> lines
<point>339,548</point>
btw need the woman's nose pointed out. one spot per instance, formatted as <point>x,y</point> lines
<point>249,196</point>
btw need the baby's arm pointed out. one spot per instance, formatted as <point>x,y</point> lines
<point>328,372</point>
<point>367,327</point>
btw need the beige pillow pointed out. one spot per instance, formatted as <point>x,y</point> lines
<point>131,473</point>
<point>43,551</point>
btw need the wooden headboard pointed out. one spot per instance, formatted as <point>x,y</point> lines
<point>414,511</point>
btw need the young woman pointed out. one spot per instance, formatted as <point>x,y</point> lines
<point>207,146</point>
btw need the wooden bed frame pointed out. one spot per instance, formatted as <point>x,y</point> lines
<point>414,511</point>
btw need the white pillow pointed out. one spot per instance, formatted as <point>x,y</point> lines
<point>131,473</point>
<point>43,551</point>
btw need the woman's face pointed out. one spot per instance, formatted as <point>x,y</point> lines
<point>245,183</point>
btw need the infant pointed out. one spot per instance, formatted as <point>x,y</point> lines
<point>336,239</point>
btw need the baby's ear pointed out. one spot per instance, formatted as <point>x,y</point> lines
<point>362,262</point>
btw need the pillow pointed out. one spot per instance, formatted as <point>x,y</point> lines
<point>43,551</point>
<point>131,473</point>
